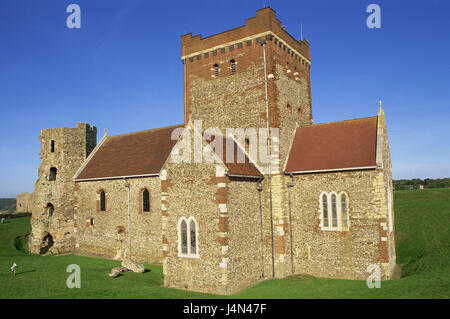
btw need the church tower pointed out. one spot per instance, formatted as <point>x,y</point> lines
<point>225,78</point>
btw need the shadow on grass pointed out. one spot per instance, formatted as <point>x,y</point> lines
<point>24,272</point>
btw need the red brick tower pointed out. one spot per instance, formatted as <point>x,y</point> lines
<point>224,78</point>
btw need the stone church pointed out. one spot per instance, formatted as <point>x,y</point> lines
<point>318,202</point>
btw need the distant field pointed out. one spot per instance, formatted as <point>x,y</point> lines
<point>423,245</point>
<point>7,204</point>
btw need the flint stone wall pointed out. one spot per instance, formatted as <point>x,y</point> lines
<point>108,236</point>
<point>337,254</point>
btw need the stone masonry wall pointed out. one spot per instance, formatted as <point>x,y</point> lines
<point>337,254</point>
<point>63,149</point>
<point>190,190</point>
<point>24,203</point>
<point>244,242</point>
<point>108,235</point>
<point>237,100</point>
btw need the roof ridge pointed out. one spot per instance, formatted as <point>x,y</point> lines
<point>361,118</point>
<point>149,130</point>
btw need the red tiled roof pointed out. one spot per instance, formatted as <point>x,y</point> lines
<point>235,168</point>
<point>139,153</point>
<point>333,146</point>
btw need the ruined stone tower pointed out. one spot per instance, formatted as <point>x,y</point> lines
<point>63,150</point>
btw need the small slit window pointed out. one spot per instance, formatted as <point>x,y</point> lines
<point>145,200</point>
<point>216,70</point>
<point>52,146</point>
<point>233,66</point>
<point>50,209</point>
<point>52,175</point>
<point>102,201</point>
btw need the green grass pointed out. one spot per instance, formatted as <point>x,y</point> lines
<point>423,245</point>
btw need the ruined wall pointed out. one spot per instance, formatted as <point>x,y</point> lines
<point>337,254</point>
<point>24,203</point>
<point>107,234</point>
<point>63,150</point>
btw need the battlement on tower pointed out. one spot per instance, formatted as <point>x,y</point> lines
<point>264,25</point>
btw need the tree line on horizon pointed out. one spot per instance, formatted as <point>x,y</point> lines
<point>415,183</point>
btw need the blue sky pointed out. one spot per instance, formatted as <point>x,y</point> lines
<point>122,71</point>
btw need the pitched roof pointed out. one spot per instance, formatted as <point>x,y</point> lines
<point>247,168</point>
<point>140,153</point>
<point>334,146</point>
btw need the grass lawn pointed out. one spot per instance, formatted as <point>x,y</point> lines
<point>423,246</point>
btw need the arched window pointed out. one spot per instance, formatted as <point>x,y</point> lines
<point>145,200</point>
<point>187,237</point>
<point>216,70</point>
<point>299,111</point>
<point>334,211</point>
<point>233,66</point>
<point>52,175</point>
<point>193,237</point>
<point>184,247</point>
<point>102,201</point>
<point>324,210</point>
<point>50,209</point>
<point>289,108</point>
<point>344,211</point>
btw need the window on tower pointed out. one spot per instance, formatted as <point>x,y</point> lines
<point>233,66</point>
<point>52,175</point>
<point>216,70</point>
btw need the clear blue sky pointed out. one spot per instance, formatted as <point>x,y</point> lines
<point>122,70</point>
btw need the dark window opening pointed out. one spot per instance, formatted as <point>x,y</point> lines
<point>249,42</point>
<point>231,47</point>
<point>216,70</point>
<point>52,146</point>
<point>146,200</point>
<point>52,176</point>
<point>240,45</point>
<point>102,201</point>
<point>289,108</point>
<point>233,66</point>
<point>50,209</point>
<point>222,50</point>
